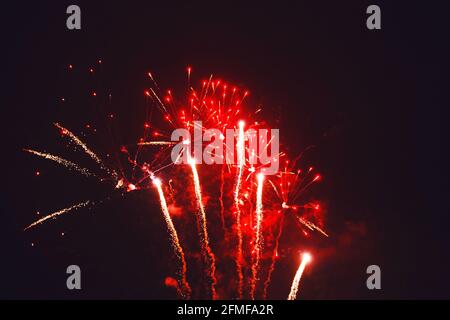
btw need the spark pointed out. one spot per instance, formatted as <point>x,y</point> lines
<point>66,163</point>
<point>258,233</point>
<point>240,146</point>
<point>58,213</point>
<point>156,143</point>
<point>306,258</point>
<point>206,249</point>
<point>311,226</point>
<point>186,291</point>
<point>222,205</point>
<point>85,148</point>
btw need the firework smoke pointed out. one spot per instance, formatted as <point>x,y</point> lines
<point>273,258</point>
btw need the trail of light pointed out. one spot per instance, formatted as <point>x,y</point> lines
<point>162,106</point>
<point>156,143</point>
<point>66,163</point>
<point>58,213</point>
<point>240,145</point>
<point>85,148</point>
<point>186,289</point>
<point>206,249</point>
<point>258,234</point>
<point>306,258</point>
<point>311,226</point>
<point>274,256</point>
<point>222,206</point>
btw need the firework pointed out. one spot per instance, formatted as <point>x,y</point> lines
<point>85,148</point>
<point>54,215</point>
<point>215,105</point>
<point>156,143</point>
<point>66,163</point>
<point>306,258</point>
<point>208,255</point>
<point>240,146</point>
<point>186,289</point>
<point>258,234</point>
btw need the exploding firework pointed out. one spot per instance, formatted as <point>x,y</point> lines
<point>251,209</point>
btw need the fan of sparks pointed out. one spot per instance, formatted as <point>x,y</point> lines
<point>248,207</point>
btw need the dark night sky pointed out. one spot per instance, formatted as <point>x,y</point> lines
<point>371,102</point>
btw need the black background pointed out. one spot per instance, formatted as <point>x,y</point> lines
<point>372,102</point>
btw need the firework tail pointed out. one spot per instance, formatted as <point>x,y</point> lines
<point>156,143</point>
<point>240,145</point>
<point>86,149</point>
<point>66,163</point>
<point>186,289</point>
<point>58,213</point>
<point>222,207</point>
<point>274,256</point>
<point>311,226</point>
<point>258,235</point>
<point>207,253</point>
<point>306,258</point>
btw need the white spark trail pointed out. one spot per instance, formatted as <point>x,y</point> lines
<point>240,145</point>
<point>66,163</point>
<point>85,148</point>
<point>186,291</point>
<point>58,213</point>
<point>258,234</point>
<point>306,258</point>
<point>206,249</point>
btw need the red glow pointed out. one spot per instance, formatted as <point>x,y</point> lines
<point>171,282</point>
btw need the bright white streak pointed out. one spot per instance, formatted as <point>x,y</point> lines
<point>174,237</point>
<point>58,213</point>
<point>66,163</point>
<point>206,249</point>
<point>85,148</point>
<point>258,233</point>
<point>156,143</point>
<point>306,258</point>
<point>311,226</point>
<point>240,145</point>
